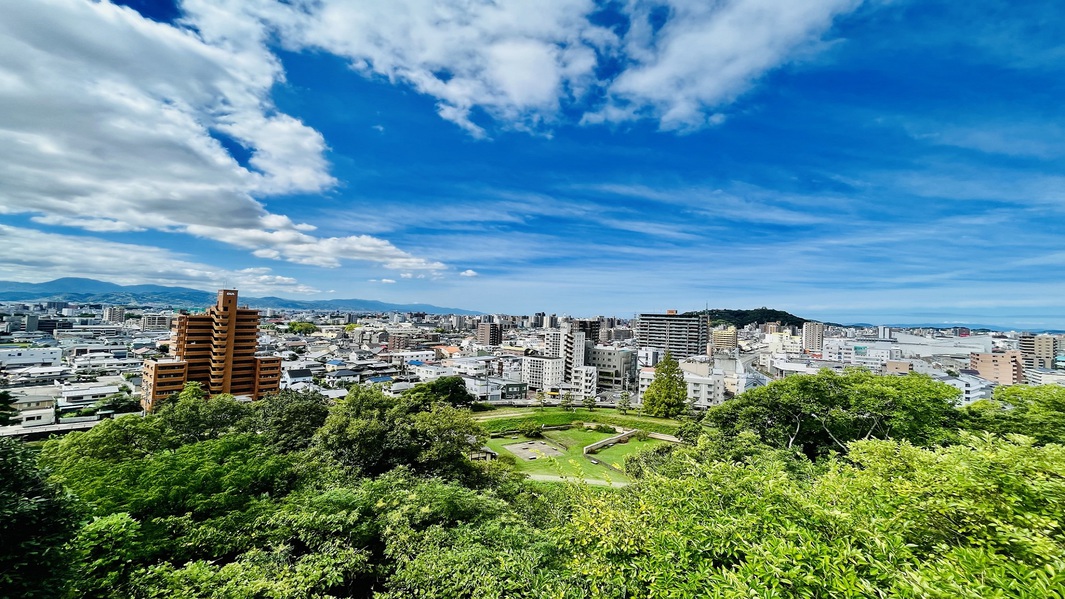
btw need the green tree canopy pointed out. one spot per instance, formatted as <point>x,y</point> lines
<point>1035,411</point>
<point>37,520</point>
<point>822,412</point>
<point>666,395</point>
<point>8,413</point>
<point>302,327</point>
<point>448,389</point>
<point>372,433</point>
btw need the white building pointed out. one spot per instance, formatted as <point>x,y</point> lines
<point>584,381</point>
<point>22,357</point>
<point>543,372</point>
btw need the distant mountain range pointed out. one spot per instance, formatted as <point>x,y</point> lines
<point>91,291</point>
<point>742,318</point>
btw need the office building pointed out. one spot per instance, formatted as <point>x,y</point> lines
<point>724,338</point>
<point>680,335</point>
<point>218,350</point>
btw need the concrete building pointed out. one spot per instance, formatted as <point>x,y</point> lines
<point>569,344</point>
<point>156,322</point>
<point>813,336</point>
<point>584,381</point>
<point>116,315</point>
<point>22,357</point>
<point>1004,368</point>
<point>723,339</point>
<point>489,333</point>
<point>161,378</point>
<point>219,348</point>
<point>616,367</point>
<point>680,335</point>
<point>1037,351</point>
<point>543,373</point>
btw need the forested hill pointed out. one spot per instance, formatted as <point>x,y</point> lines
<point>742,318</point>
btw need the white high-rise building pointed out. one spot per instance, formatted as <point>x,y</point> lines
<point>567,343</point>
<point>813,336</point>
<point>542,373</point>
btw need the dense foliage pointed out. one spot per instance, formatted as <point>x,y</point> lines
<point>742,318</point>
<point>666,395</point>
<point>833,485</point>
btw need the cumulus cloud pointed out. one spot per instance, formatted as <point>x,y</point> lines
<point>468,273</point>
<point>45,256</point>
<point>111,122</point>
<point>521,62</point>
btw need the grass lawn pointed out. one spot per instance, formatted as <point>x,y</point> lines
<point>513,418</point>
<point>573,463</point>
<point>616,455</point>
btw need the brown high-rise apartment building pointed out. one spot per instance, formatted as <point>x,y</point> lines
<point>489,333</point>
<point>216,349</point>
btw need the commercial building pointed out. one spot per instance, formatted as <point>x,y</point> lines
<point>681,335</point>
<point>813,336</point>
<point>724,339</point>
<point>218,349</point>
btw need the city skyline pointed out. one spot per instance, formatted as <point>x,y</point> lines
<point>845,161</point>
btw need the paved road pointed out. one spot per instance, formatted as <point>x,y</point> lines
<point>572,479</point>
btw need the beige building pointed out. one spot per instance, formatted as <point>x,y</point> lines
<point>1005,368</point>
<point>723,339</point>
<point>1037,351</point>
<point>813,336</point>
<point>217,349</point>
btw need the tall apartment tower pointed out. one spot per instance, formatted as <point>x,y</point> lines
<point>115,315</point>
<point>217,349</point>
<point>489,333</point>
<point>567,343</point>
<point>813,336</point>
<point>680,335</point>
<point>1037,351</point>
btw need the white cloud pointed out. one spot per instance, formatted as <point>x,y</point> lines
<point>468,273</point>
<point>707,53</point>
<point>45,256</point>
<point>108,122</point>
<point>384,281</point>
<point>406,275</point>
<point>520,62</point>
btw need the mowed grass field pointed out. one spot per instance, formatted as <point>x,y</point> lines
<point>573,463</point>
<point>513,418</point>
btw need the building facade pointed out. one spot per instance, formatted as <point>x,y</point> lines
<point>681,335</point>
<point>218,350</point>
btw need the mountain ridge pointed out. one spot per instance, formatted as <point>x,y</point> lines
<point>85,290</point>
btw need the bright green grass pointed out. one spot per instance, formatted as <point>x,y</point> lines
<point>514,418</point>
<point>615,455</point>
<point>573,463</point>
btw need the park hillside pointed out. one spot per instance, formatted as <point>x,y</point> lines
<point>827,485</point>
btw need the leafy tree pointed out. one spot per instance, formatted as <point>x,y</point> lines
<point>588,402</point>
<point>690,431</point>
<point>1036,411</point>
<point>624,402</point>
<point>541,400</point>
<point>667,393</point>
<point>8,413</point>
<point>194,419</point>
<point>448,389</point>
<point>821,413</point>
<point>37,519</point>
<point>302,327</point>
<point>119,403</point>
<point>371,433</point>
<point>288,420</point>
<point>566,402</point>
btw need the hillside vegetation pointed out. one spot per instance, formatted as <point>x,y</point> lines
<point>830,485</point>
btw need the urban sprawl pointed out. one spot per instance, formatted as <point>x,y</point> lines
<point>69,366</point>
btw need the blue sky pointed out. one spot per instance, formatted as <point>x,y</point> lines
<point>885,161</point>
